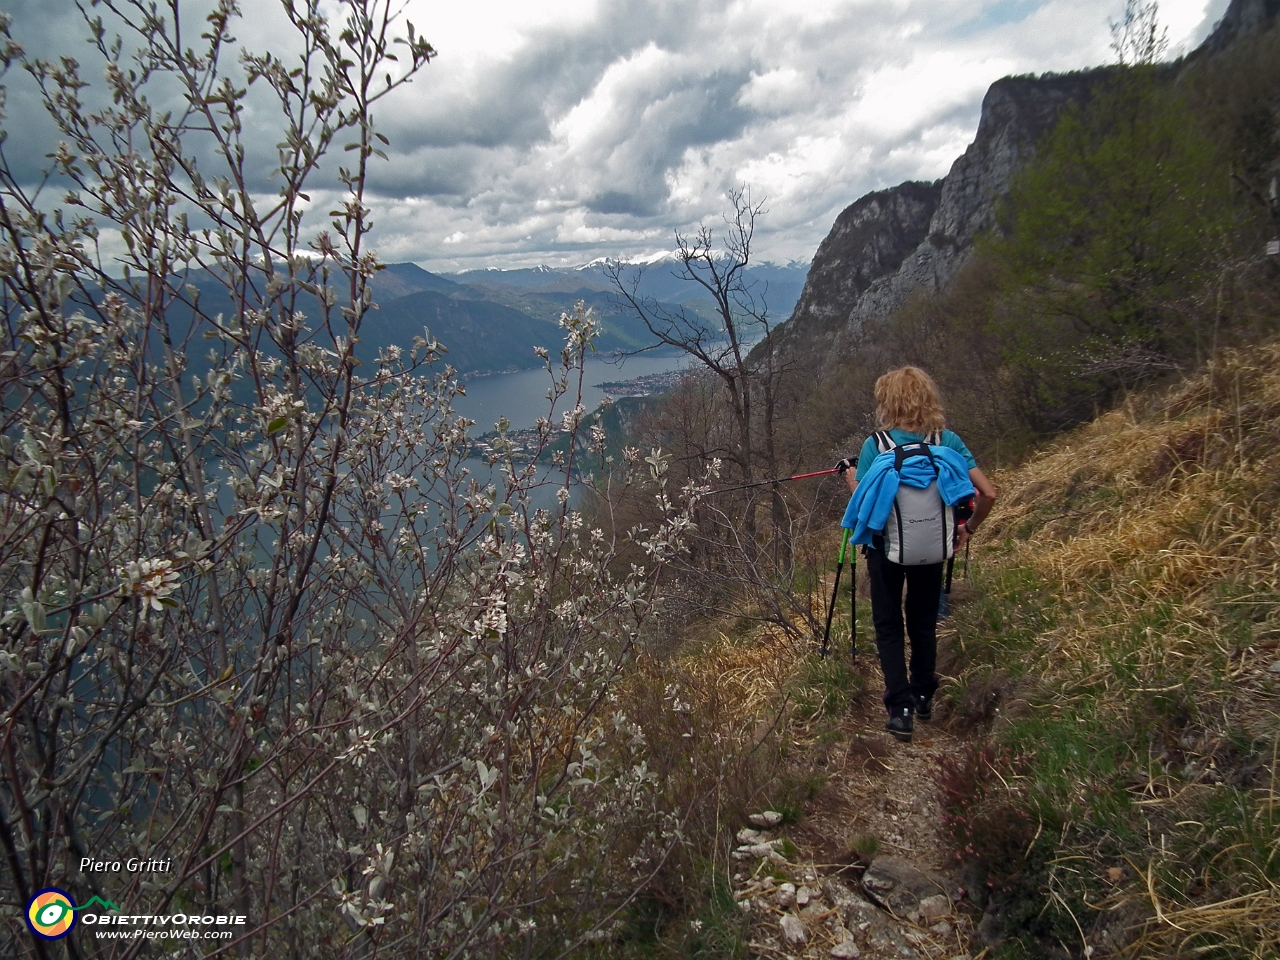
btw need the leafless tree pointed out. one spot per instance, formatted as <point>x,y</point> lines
<point>736,347</point>
<point>1137,37</point>
<point>720,345</point>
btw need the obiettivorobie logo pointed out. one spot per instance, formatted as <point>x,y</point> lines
<point>51,913</point>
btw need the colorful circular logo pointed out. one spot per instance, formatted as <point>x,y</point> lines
<point>51,914</point>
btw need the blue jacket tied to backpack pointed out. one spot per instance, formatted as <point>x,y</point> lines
<point>869,507</point>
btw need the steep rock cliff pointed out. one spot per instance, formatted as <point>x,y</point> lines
<point>869,240</point>
<point>868,265</point>
<point>1241,17</point>
<point>863,269</point>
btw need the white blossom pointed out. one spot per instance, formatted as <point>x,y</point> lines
<point>152,581</point>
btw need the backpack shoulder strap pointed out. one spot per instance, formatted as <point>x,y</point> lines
<point>917,448</point>
<point>885,442</point>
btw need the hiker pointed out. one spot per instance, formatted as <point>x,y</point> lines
<point>909,411</point>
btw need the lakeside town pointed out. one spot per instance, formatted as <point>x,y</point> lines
<point>649,385</point>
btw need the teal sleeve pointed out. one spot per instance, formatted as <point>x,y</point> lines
<point>868,454</point>
<point>953,441</point>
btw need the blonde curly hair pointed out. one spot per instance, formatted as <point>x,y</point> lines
<point>908,399</point>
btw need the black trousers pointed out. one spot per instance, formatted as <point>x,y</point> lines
<point>923,584</point>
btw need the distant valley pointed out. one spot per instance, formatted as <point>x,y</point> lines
<point>490,320</point>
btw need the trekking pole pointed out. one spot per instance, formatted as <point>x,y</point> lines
<point>963,511</point>
<point>762,483</point>
<point>951,561</point>
<point>831,607</point>
<point>853,602</point>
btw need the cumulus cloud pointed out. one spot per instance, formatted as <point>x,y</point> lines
<point>562,130</point>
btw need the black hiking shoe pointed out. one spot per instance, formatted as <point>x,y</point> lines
<point>899,723</point>
<point>924,707</point>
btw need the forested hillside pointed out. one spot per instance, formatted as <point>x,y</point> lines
<point>491,320</point>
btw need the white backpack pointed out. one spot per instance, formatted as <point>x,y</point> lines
<point>921,527</point>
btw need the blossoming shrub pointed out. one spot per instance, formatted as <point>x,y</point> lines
<point>264,617</point>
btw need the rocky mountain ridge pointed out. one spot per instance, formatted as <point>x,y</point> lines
<point>911,239</point>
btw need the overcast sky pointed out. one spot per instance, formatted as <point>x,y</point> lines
<point>557,131</point>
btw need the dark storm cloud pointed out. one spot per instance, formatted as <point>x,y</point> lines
<point>567,129</point>
<point>510,105</point>
<point>615,128</point>
<point>51,31</point>
<point>59,32</point>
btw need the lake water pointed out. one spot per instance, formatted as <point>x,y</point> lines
<point>522,397</point>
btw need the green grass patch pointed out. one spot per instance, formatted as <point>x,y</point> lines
<point>720,928</point>
<point>1010,612</point>
<point>825,686</point>
<point>710,925</point>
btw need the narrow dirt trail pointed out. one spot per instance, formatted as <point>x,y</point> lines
<point>868,870</point>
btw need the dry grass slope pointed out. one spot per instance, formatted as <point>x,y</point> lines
<point>1139,561</point>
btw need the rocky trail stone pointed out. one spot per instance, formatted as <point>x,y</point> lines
<point>868,872</point>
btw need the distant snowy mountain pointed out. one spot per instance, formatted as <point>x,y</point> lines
<point>778,286</point>
<point>492,319</point>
